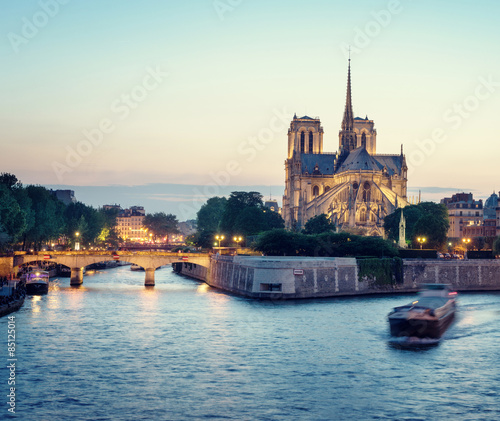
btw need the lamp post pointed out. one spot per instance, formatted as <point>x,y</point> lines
<point>466,242</point>
<point>219,238</point>
<point>237,240</point>
<point>421,241</point>
<point>77,243</point>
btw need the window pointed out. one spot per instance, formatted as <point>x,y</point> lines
<point>270,287</point>
<point>315,191</point>
<point>362,216</point>
<point>310,142</point>
<point>366,192</point>
<point>302,142</point>
<point>363,140</point>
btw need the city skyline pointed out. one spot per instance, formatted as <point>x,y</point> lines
<point>203,94</point>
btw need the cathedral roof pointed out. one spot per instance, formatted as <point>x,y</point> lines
<point>306,117</point>
<point>393,163</point>
<point>324,162</point>
<point>360,159</point>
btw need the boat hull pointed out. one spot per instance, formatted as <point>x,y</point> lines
<point>37,288</point>
<point>420,328</point>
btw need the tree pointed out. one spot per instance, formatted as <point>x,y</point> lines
<point>318,224</point>
<point>10,181</point>
<point>48,212</point>
<point>496,245</point>
<point>273,220</point>
<point>210,214</point>
<point>238,201</point>
<point>161,225</point>
<point>433,228</point>
<point>426,219</point>
<point>12,218</point>
<point>282,242</point>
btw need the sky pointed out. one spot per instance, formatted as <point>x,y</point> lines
<point>201,93</point>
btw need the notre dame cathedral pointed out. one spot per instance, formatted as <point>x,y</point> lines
<point>354,187</point>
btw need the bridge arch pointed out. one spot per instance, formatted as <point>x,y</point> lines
<point>150,261</point>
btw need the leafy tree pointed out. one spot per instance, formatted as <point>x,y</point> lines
<point>48,212</point>
<point>210,214</point>
<point>318,224</point>
<point>496,245</point>
<point>161,224</point>
<point>425,219</point>
<point>282,242</point>
<point>10,181</point>
<point>272,220</point>
<point>85,220</point>
<point>12,218</point>
<point>278,242</point>
<point>238,201</point>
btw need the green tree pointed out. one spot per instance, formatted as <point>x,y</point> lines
<point>318,224</point>
<point>10,181</point>
<point>238,201</point>
<point>12,218</point>
<point>282,242</point>
<point>272,220</point>
<point>209,216</point>
<point>85,220</point>
<point>161,225</point>
<point>496,245</point>
<point>417,217</point>
<point>48,213</point>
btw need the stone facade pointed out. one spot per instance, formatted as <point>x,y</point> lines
<point>354,187</point>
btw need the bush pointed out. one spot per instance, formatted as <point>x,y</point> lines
<point>329,244</point>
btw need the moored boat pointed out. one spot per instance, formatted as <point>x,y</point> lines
<point>428,316</point>
<point>37,282</point>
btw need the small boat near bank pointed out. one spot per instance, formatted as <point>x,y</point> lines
<point>428,316</point>
<point>37,282</point>
<point>12,296</point>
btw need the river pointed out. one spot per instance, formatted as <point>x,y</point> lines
<point>115,350</point>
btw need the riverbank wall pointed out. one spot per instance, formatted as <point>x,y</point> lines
<point>6,266</point>
<point>310,277</point>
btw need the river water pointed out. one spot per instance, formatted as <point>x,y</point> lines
<point>115,350</point>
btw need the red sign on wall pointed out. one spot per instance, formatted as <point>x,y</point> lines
<point>46,256</point>
<point>116,257</point>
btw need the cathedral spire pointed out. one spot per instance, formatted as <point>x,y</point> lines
<point>347,137</point>
<point>348,121</point>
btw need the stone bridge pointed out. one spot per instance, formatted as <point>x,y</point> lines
<point>149,260</point>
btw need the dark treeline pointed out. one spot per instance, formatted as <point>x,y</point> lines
<point>32,217</point>
<point>280,242</point>
<point>242,214</point>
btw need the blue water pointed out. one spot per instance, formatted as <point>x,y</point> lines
<point>115,350</point>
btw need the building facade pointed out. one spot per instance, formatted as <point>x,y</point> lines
<point>465,215</point>
<point>129,223</point>
<point>354,187</point>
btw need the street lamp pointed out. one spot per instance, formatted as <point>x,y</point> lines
<point>77,243</point>
<point>466,242</point>
<point>421,240</point>
<point>237,240</point>
<point>219,238</point>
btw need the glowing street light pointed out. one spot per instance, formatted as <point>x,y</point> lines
<point>238,240</point>
<point>466,242</point>
<point>219,238</point>
<point>421,241</point>
<point>77,243</point>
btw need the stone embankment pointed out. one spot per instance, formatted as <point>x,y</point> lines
<point>298,277</point>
